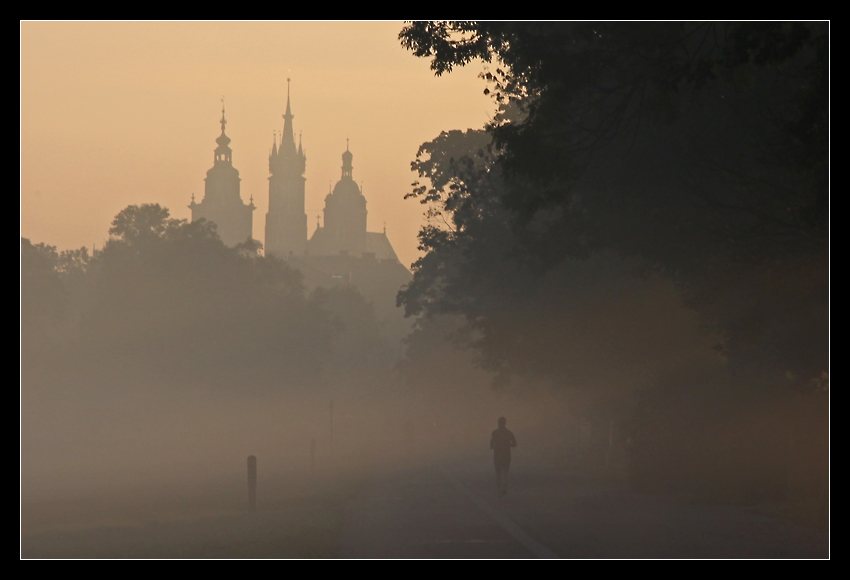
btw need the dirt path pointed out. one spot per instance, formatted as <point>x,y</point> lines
<point>453,512</point>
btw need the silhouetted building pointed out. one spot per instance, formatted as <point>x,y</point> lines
<point>341,252</point>
<point>345,232</point>
<point>222,203</point>
<point>286,221</point>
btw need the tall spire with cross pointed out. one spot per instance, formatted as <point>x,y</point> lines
<point>287,140</point>
<point>286,220</point>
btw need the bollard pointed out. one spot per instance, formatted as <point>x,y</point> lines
<point>252,483</point>
<point>312,455</point>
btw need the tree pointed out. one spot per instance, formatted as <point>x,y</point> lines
<point>647,227</point>
<point>585,85</point>
<point>698,151</point>
<point>168,298</point>
<point>135,223</point>
<point>165,300</point>
<point>42,297</point>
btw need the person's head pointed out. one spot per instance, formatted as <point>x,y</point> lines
<point>502,421</point>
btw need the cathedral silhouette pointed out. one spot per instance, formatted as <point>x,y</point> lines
<point>340,252</point>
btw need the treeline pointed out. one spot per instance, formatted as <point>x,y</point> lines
<point>166,301</point>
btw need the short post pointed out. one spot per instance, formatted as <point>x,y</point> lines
<point>312,455</point>
<point>252,483</point>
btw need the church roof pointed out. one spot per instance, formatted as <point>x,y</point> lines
<point>346,187</point>
<point>374,244</point>
<point>379,244</point>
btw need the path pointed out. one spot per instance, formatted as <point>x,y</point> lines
<point>453,512</point>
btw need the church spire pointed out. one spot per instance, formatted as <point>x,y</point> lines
<point>222,203</point>
<point>223,120</point>
<point>346,162</point>
<point>289,114</point>
<point>287,140</point>
<point>223,152</point>
<point>286,220</point>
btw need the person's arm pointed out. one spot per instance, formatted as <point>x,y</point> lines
<point>513,440</point>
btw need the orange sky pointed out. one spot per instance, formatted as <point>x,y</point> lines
<point>114,114</point>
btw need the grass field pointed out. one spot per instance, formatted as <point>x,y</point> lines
<point>299,519</point>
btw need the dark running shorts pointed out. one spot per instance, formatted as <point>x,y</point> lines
<point>502,462</point>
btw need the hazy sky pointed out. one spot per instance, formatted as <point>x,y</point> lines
<point>124,113</point>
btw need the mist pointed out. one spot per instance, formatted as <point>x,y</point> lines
<point>596,325</point>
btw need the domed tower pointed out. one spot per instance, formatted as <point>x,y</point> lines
<point>286,220</point>
<point>344,232</point>
<point>222,203</point>
<point>345,211</point>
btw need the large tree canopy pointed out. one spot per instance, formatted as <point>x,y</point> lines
<point>743,103</point>
<point>695,151</point>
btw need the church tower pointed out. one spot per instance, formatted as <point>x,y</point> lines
<point>222,203</point>
<point>344,232</point>
<point>345,210</point>
<point>286,220</point>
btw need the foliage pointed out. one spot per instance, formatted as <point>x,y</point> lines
<point>42,296</point>
<point>644,225</point>
<point>166,299</point>
<point>586,85</point>
<point>679,147</point>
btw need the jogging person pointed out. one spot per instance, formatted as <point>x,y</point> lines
<point>501,442</point>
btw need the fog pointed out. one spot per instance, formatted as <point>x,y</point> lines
<point>602,331</point>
